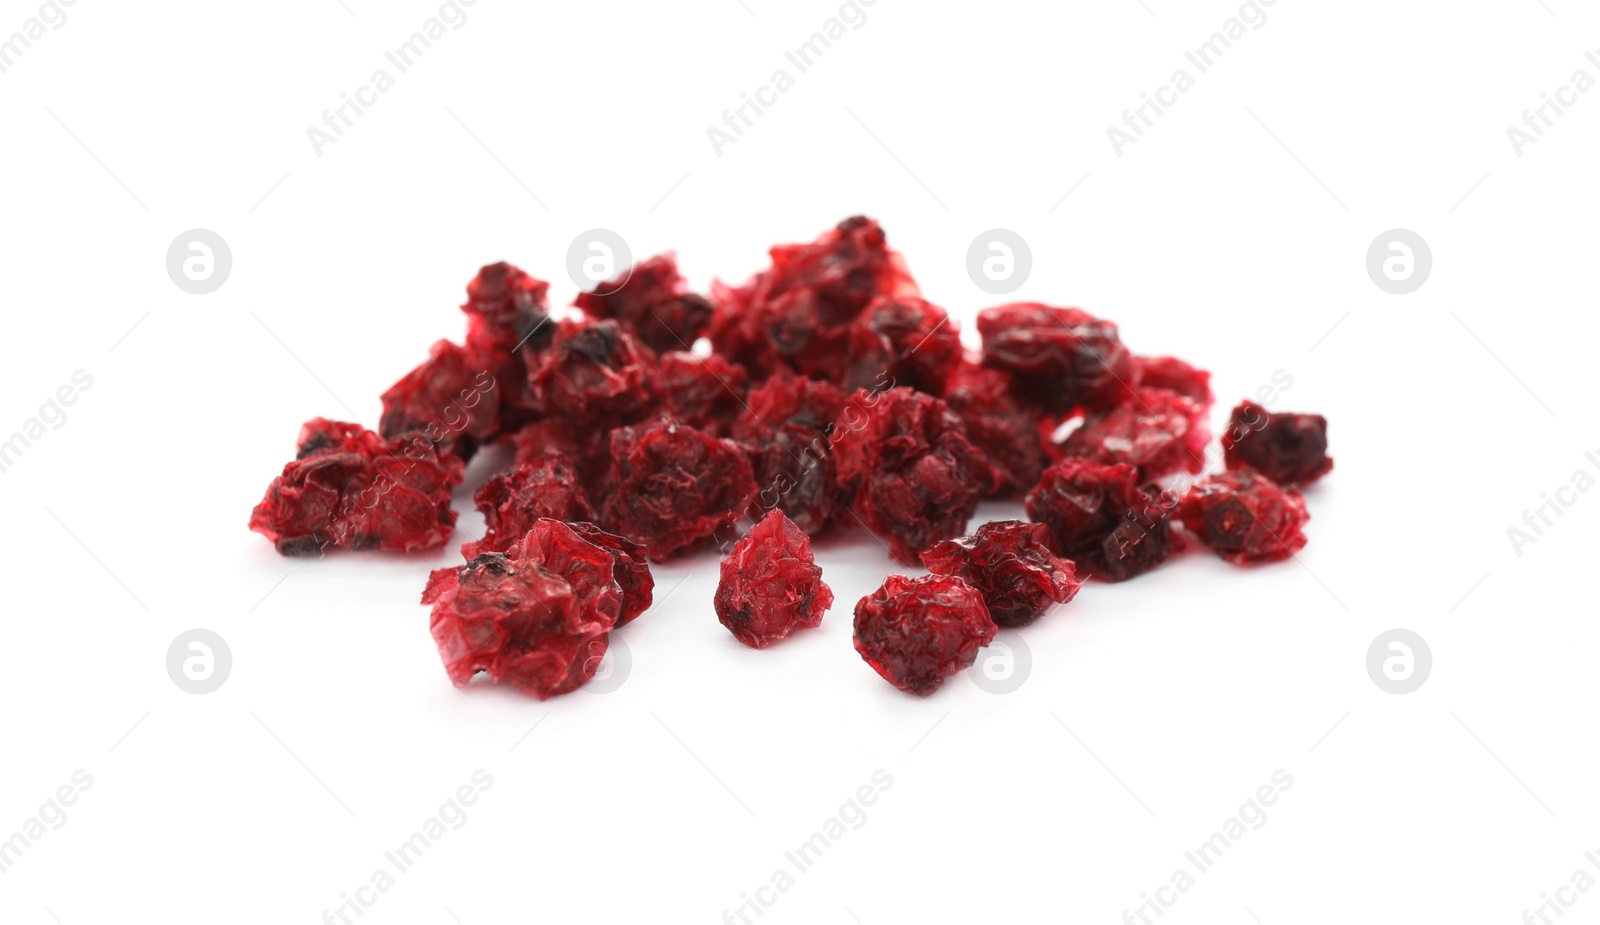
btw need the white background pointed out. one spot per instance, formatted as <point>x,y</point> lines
<point>1234,234</point>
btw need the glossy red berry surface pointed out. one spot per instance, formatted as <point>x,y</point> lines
<point>1245,517</point>
<point>1012,566</point>
<point>916,632</point>
<point>1290,449</point>
<point>770,584</point>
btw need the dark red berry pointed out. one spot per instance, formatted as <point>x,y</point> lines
<point>514,499</point>
<point>597,571</point>
<point>654,303</point>
<point>901,341</point>
<point>632,570</point>
<point>1101,518</point>
<point>1290,449</point>
<point>1174,375</point>
<point>1011,565</point>
<point>1006,433</point>
<point>1156,431</point>
<point>1245,517</point>
<point>788,429</point>
<point>506,309</point>
<point>771,585</point>
<point>451,399</point>
<point>1059,359</point>
<point>674,487</point>
<point>596,376</point>
<point>703,392</point>
<point>916,632</point>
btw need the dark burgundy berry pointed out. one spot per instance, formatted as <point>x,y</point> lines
<point>771,585</point>
<point>514,499</point>
<point>507,309</point>
<point>1059,359</point>
<point>1005,432</point>
<point>1290,449</point>
<point>916,632</point>
<point>1101,518</point>
<point>1245,517</point>
<point>674,487</point>
<point>452,399</point>
<point>654,303</point>
<point>1011,565</point>
<point>901,341</point>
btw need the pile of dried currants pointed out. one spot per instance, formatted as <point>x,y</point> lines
<point>832,396</point>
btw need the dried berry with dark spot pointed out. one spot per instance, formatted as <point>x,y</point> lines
<point>596,376</point>
<point>1156,431</point>
<point>1174,375</point>
<point>450,398</point>
<point>1011,565</point>
<point>788,431</point>
<point>916,632</point>
<point>654,303</point>
<point>1059,359</point>
<point>1290,449</point>
<point>351,487</point>
<point>999,426</point>
<point>517,622</point>
<point>703,392</point>
<point>514,499</point>
<point>771,585</point>
<point>674,487</point>
<point>902,341</point>
<point>1101,518</point>
<point>506,309</point>
<point>1245,517</point>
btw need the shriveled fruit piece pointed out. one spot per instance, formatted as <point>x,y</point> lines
<point>901,341</point>
<point>1245,517</point>
<point>451,399</point>
<point>350,487</point>
<point>1011,565</point>
<point>674,486</point>
<point>771,585</point>
<point>1102,519</point>
<point>1006,433</point>
<point>632,571</point>
<point>1059,359</point>
<point>514,499</point>
<point>703,392</point>
<point>918,478</point>
<point>507,309</point>
<point>795,314</point>
<point>1290,449</point>
<point>516,621</point>
<point>595,571</point>
<point>1174,375</point>
<point>788,432</point>
<point>596,376</point>
<point>1156,431</point>
<point>654,303</point>
<point>916,632</point>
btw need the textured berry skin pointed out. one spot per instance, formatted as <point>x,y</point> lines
<point>1290,449</point>
<point>451,398</point>
<point>595,376</point>
<point>1245,517</point>
<point>916,632</point>
<point>918,478</point>
<point>1174,375</point>
<point>1101,518</point>
<point>606,572</point>
<point>1156,431</point>
<point>674,487</point>
<point>788,433</point>
<point>912,341</point>
<point>795,315</point>
<point>507,309</point>
<point>350,487</point>
<point>771,585</point>
<point>1059,359</point>
<point>1011,565</point>
<point>704,392</point>
<point>514,499</point>
<point>516,621</point>
<point>999,426</point>
<point>632,570</point>
<point>654,304</point>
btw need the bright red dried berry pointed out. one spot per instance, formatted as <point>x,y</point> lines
<point>654,303</point>
<point>451,398</point>
<point>516,621</point>
<point>674,487</point>
<point>632,571</point>
<point>596,376</point>
<point>596,570</point>
<point>1059,359</point>
<point>506,309</point>
<point>1290,449</point>
<point>350,487</point>
<point>902,341</point>
<point>1011,565</point>
<point>916,632</point>
<point>1174,375</point>
<point>771,585</point>
<point>1006,433</point>
<point>918,478</point>
<point>1245,517</point>
<point>1101,518</point>
<point>1156,431</point>
<point>703,392</point>
<point>514,499</point>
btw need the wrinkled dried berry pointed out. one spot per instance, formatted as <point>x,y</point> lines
<point>1011,565</point>
<point>632,571</point>
<point>703,392</point>
<point>506,309</point>
<point>514,499</point>
<point>916,632</point>
<point>516,621</point>
<point>1290,449</point>
<point>350,487</point>
<point>674,487</point>
<point>771,585</point>
<point>1059,359</point>
<point>1102,519</point>
<point>654,303</point>
<point>450,399</point>
<point>1174,375</point>
<point>788,430</point>
<point>919,479</point>
<point>901,341</point>
<point>596,376</point>
<point>1245,517</point>
<point>999,426</point>
<point>1156,431</point>
<point>605,571</point>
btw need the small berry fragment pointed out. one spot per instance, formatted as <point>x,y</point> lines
<point>514,499</point>
<point>654,303</point>
<point>771,585</point>
<point>674,487</point>
<point>1011,565</point>
<point>1245,517</point>
<point>1290,449</point>
<point>1156,431</point>
<point>1101,518</point>
<point>1059,359</point>
<point>916,632</point>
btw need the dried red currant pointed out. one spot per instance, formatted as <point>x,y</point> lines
<point>351,487</point>
<point>450,399</point>
<point>514,499</point>
<point>788,431</point>
<point>703,392</point>
<point>901,341</point>
<point>1245,517</point>
<point>654,303</point>
<point>1174,375</point>
<point>1006,433</point>
<point>1059,359</point>
<point>1156,431</point>
<point>632,571</point>
<point>516,621</point>
<point>1011,565</point>
<point>605,571</point>
<point>1101,518</point>
<point>674,487</point>
<point>916,632</point>
<point>1290,449</point>
<point>506,309</point>
<point>595,375</point>
<point>771,585</point>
